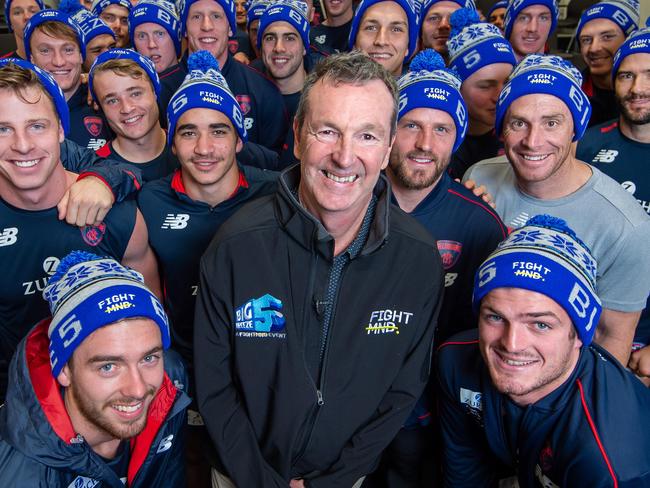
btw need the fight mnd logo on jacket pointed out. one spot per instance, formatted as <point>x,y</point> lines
<point>260,317</point>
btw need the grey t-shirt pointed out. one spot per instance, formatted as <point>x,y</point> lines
<point>605,216</point>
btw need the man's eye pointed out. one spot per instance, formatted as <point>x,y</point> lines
<point>542,326</point>
<point>434,18</point>
<point>187,133</point>
<point>107,368</point>
<point>151,358</point>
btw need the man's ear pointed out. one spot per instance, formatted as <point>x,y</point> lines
<point>61,133</point>
<point>296,139</point>
<point>239,146</point>
<point>64,378</point>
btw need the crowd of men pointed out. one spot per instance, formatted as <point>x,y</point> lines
<point>395,244</point>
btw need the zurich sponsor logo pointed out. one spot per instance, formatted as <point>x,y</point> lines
<point>83,482</point>
<point>260,317</point>
<point>473,402</point>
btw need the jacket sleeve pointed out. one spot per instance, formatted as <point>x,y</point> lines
<point>218,398</point>
<point>364,448</point>
<point>465,461</point>
<point>273,121</point>
<point>121,179</point>
<point>258,156</point>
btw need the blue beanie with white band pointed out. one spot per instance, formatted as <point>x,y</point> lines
<point>473,44</point>
<point>637,42</point>
<point>410,7</point>
<point>99,6</point>
<point>516,6</point>
<point>624,13</point>
<point>227,5</point>
<point>91,26</point>
<point>547,257</point>
<point>550,75</point>
<point>88,292</point>
<point>159,12</point>
<point>52,16</point>
<point>429,84</point>
<point>427,4</point>
<point>51,87</point>
<point>293,12</point>
<point>497,5</point>
<point>145,63</point>
<point>40,4</point>
<point>255,10</point>
<point>204,87</point>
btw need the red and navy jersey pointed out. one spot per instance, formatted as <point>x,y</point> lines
<point>626,161</point>
<point>330,39</point>
<point>180,230</point>
<point>603,102</point>
<point>12,54</point>
<point>472,150</point>
<point>466,230</point>
<point>260,101</point>
<point>170,80</point>
<point>590,431</point>
<point>31,246</point>
<point>157,168</point>
<point>88,128</point>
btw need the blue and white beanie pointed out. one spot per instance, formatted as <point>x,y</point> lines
<point>292,11</point>
<point>473,44</point>
<point>550,75</point>
<point>51,87</point>
<point>624,13</point>
<point>145,63</point>
<point>204,87</point>
<point>429,84</point>
<point>98,6</point>
<point>410,7</point>
<point>52,16</point>
<point>227,5</point>
<point>516,6</point>
<point>40,4</point>
<point>497,5</point>
<point>255,10</point>
<point>547,257</point>
<point>88,292</point>
<point>91,26</point>
<point>161,12</point>
<point>427,4</point>
<point>637,42</point>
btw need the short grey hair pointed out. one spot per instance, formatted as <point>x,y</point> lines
<point>353,68</point>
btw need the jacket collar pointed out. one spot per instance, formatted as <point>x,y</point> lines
<point>310,233</point>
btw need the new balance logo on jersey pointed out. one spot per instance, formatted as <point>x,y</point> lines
<point>605,156</point>
<point>8,236</point>
<point>165,444</point>
<point>320,39</point>
<point>175,221</point>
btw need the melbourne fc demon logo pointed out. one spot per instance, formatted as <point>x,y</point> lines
<point>93,125</point>
<point>244,103</point>
<point>93,234</point>
<point>449,252</point>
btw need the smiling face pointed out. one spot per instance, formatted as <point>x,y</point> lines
<point>128,102</point>
<point>30,138</point>
<point>112,379</point>
<point>481,92</point>
<point>208,29</point>
<point>117,18</point>
<point>60,55</point>
<point>343,144</point>
<point>599,40</point>
<point>537,136</point>
<point>422,150</point>
<point>383,35</point>
<point>528,343</point>
<point>530,30</point>
<point>153,41</point>
<point>240,13</point>
<point>338,8</point>
<point>435,26</point>
<point>632,87</point>
<point>282,51</point>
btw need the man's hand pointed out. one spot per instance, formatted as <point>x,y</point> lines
<point>242,58</point>
<point>640,362</point>
<point>297,484</point>
<point>479,191</point>
<point>86,202</point>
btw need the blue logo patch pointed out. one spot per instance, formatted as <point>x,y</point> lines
<point>260,317</point>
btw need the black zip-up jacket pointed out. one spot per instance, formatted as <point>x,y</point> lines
<point>262,298</point>
<point>592,431</point>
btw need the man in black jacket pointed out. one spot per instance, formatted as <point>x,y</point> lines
<point>318,300</point>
